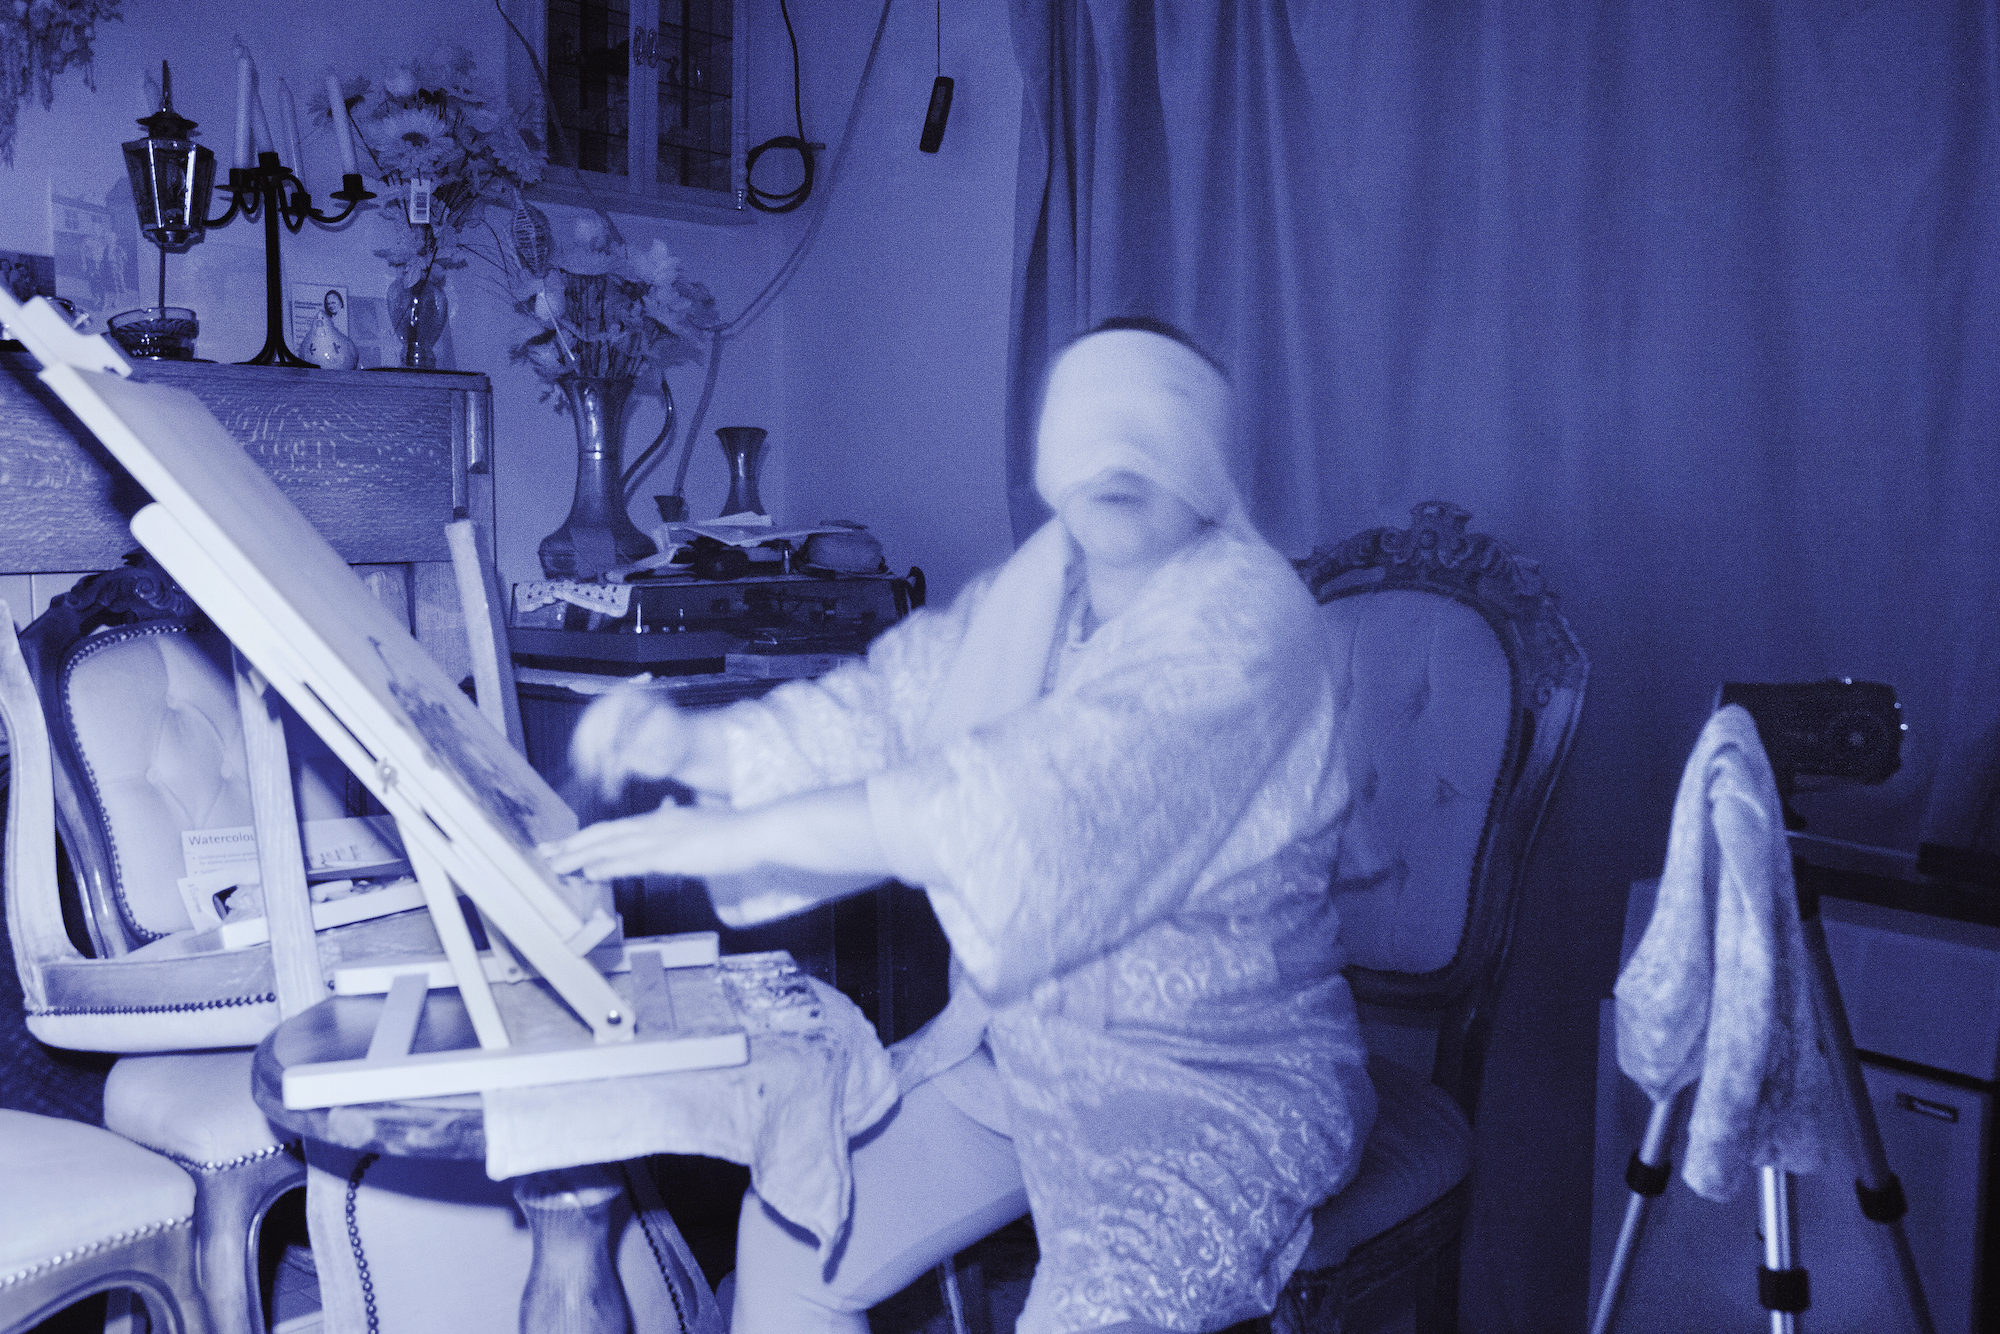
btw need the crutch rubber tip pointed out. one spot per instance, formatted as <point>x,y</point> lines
<point>1646,1179</point>
<point>1885,1205</point>
<point>1783,1289</point>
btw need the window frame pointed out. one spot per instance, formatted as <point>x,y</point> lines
<point>638,191</point>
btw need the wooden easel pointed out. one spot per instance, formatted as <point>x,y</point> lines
<point>469,808</point>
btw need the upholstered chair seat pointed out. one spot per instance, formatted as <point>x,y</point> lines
<point>86,1211</point>
<point>196,1108</point>
<point>1420,1154</point>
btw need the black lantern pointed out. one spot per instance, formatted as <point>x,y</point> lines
<point>171,175</point>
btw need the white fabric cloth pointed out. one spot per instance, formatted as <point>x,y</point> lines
<point>1718,988</point>
<point>817,1077</point>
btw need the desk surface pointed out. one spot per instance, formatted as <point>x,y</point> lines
<point>339,1028</point>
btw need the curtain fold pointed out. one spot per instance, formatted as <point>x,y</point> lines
<point>1695,301</point>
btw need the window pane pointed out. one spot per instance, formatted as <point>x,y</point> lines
<point>589,54</point>
<point>695,68</point>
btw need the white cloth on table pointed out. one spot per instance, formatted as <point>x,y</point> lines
<point>817,1076</point>
<point>1718,988</point>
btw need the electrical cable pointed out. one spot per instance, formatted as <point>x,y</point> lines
<point>786,200</point>
<point>761,302</point>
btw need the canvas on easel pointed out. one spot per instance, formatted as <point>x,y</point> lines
<point>469,808</point>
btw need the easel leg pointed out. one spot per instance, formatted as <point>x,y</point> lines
<point>1647,1174</point>
<point>1878,1189</point>
<point>1781,1288</point>
<point>573,1285</point>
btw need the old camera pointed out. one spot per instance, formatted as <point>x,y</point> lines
<point>1843,729</point>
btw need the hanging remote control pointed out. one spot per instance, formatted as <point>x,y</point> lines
<point>934,118</point>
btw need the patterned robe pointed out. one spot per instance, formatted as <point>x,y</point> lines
<point>1132,873</point>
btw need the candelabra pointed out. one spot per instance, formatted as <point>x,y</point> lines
<point>271,189</point>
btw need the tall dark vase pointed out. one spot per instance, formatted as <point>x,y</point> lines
<point>598,534</point>
<point>743,446</point>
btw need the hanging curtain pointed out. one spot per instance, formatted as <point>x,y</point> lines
<point>1695,301</point>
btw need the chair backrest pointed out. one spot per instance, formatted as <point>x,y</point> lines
<point>1459,684</point>
<point>147,739</point>
<point>126,728</point>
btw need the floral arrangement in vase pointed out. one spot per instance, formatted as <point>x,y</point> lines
<point>602,310</point>
<point>446,148</point>
<point>600,317</point>
<point>39,39</point>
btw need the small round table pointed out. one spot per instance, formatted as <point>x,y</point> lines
<point>573,1285</point>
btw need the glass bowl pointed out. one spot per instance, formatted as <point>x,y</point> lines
<point>163,333</point>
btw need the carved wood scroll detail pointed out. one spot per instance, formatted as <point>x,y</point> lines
<point>1436,552</point>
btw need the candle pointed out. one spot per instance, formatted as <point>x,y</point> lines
<point>289,123</point>
<point>265,143</point>
<point>242,106</point>
<point>338,105</point>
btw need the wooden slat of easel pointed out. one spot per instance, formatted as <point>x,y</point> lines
<point>281,862</point>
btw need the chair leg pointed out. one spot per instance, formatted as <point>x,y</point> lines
<point>954,1300</point>
<point>229,1216</point>
<point>1437,1301</point>
<point>121,1313</point>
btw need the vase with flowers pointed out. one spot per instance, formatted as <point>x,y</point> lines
<point>600,320</point>
<point>446,148</point>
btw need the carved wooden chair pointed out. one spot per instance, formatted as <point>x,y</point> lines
<point>1460,685</point>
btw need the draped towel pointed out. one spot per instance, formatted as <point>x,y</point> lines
<point>1718,988</point>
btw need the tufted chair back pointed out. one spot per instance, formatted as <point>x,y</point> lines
<point>149,732</point>
<point>1459,684</point>
<point>146,741</point>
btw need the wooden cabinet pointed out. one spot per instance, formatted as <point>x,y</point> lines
<point>378,461</point>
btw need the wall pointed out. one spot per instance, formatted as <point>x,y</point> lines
<point>894,337</point>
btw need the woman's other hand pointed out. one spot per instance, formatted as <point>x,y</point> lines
<point>634,732</point>
<point>758,864</point>
<point>828,831</point>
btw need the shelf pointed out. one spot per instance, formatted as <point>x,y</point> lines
<point>560,185</point>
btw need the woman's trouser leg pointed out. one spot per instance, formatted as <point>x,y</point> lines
<point>927,1184</point>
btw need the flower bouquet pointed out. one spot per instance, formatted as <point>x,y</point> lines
<point>599,316</point>
<point>602,310</point>
<point>445,148</point>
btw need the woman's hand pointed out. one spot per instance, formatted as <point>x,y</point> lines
<point>758,864</point>
<point>673,840</point>
<point>631,733</point>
